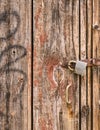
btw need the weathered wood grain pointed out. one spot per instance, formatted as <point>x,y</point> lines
<point>75,42</point>
<point>82,46</point>
<point>63,30</point>
<point>89,55</point>
<point>72,40</point>
<point>99,70</point>
<point>56,36</point>
<point>15,71</point>
<point>96,71</point>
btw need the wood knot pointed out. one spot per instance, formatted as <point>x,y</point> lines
<point>58,74</point>
<point>96,27</point>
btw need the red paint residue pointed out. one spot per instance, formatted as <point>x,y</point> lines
<point>35,82</point>
<point>37,16</point>
<point>50,124</point>
<point>38,67</point>
<point>35,52</point>
<point>43,38</point>
<point>38,74</point>
<point>40,94</point>
<point>42,124</point>
<point>51,62</point>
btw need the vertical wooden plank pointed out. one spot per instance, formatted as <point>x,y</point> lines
<point>96,5</point>
<point>86,40</point>
<point>99,70</point>
<point>15,44</point>
<point>72,40</point>
<point>30,46</point>
<point>83,56</point>
<point>89,53</point>
<point>55,40</point>
<point>75,42</point>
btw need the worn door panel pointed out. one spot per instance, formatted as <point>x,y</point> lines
<point>63,31</point>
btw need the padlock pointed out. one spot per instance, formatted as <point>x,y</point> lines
<point>80,68</point>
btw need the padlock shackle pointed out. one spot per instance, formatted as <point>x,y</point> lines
<point>70,63</point>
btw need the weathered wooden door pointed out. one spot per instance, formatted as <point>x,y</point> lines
<point>66,30</point>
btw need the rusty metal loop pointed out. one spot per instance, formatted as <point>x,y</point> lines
<point>67,94</point>
<point>69,65</point>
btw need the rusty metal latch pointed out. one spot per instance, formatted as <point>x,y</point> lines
<point>79,66</point>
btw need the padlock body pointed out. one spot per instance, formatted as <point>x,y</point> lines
<point>80,68</point>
